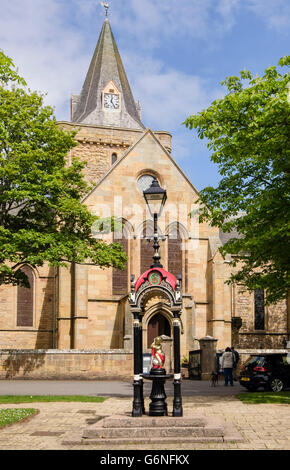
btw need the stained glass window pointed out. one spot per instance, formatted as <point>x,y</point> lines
<point>25,302</point>
<point>259,309</point>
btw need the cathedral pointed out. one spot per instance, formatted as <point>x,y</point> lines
<point>75,321</point>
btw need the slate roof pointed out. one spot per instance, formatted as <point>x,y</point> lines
<point>225,237</point>
<point>106,65</point>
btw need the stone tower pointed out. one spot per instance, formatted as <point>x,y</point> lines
<point>108,117</point>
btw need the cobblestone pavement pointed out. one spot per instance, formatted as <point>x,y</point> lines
<point>265,426</point>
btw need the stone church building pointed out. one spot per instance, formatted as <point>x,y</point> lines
<point>76,321</point>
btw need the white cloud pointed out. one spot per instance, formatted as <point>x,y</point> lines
<point>47,50</point>
<point>148,21</point>
<point>167,95</point>
<point>276,13</point>
<point>168,18</point>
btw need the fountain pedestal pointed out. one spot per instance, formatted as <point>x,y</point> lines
<point>158,405</point>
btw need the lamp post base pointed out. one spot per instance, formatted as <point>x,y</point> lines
<point>177,401</point>
<point>137,401</point>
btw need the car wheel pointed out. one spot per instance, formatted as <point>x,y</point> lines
<point>276,385</point>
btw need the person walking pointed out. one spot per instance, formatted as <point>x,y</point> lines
<point>235,365</point>
<point>227,363</point>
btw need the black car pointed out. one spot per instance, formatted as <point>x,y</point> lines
<point>271,371</point>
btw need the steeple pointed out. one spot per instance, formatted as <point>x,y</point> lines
<point>106,98</point>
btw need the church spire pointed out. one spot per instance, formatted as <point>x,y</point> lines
<point>106,98</point>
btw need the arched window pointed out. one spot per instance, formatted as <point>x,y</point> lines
<point>120,277</point>
<point>114,158</point>
<point>146,247</point>
<point>144,182</point>
<point>259,309</point>
<point>25,300</point>
<point>175,254</point>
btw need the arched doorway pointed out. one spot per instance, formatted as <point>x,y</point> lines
<point>157,326</point>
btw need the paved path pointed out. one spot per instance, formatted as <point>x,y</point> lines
<point>108,388</point>
<point>263,426</point>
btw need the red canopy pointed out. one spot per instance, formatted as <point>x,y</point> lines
<point>169,277</point>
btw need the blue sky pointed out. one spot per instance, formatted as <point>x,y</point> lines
<point>176,53</point>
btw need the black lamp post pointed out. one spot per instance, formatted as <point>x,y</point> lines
<point>155,198</point>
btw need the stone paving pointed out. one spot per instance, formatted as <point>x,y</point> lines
<point>264,426</point>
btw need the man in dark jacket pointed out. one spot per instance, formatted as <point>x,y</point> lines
<point>237,358</point>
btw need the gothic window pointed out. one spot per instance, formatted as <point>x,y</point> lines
<point>120,277</point>
<point>114,158</point>
<point>175,252</point>
<point>259,309</point>
<point>25,300</point>
<point>146,247</point>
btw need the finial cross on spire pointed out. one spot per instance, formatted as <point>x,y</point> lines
<point>107,6</point>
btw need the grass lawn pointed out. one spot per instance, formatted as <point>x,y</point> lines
<point>265,397</point>
<point>49,398</point>
<point>13,415</point>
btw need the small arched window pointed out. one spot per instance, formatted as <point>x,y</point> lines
<point>120,277</point>
<point>175,255</point>
<point>114,158</point>
<point>259,309</point>
<point>25,300</point>
<point>146,247</point>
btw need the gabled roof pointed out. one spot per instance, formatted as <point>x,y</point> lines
<point>113,167</point>
<point>106,66</point>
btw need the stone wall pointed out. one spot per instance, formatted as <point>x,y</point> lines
<point>276,329</point>
<point>96,145</point>
<point>40,335</point>
<point>62,365</point>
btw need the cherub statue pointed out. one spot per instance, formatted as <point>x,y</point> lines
<point>158,356</point>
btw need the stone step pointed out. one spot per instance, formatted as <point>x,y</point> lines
<point>132,433</point>
<point>76,439</point>
<point>151,422</point>
<point>122,430</point>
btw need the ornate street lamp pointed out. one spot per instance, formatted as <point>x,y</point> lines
<point>155,198</point>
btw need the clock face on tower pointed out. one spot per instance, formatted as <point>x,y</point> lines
<point>111,101</point>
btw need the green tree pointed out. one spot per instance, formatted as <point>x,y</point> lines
<point>248,132</point>
<point>8,72</point>
<point>42,218</point>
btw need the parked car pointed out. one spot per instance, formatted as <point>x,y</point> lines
<point>271,371</point>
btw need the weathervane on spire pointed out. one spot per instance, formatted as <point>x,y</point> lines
<point>107,6</point>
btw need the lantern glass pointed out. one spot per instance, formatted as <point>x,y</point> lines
<point>155,198</point>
